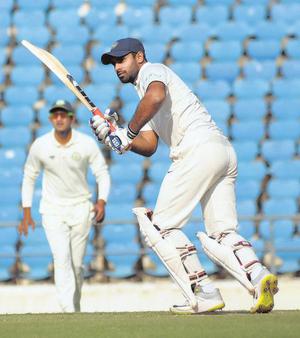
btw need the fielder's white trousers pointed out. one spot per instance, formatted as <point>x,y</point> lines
<point>67,234</point>
<point>204,173</point>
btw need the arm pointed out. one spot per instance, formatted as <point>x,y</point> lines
<point>31,171</point>
<point>145,143</point>
<point>100,170</point>
<point>148,106</point>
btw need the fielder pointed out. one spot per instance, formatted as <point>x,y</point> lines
<point>64,155</point>
<point>203,170</point>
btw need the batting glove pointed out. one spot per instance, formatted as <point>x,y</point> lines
<point>100,125</point>
<point>120,140</point>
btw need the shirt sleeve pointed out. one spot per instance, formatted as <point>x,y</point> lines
<point>155,72</point>
<point>32,169</point>
<point>100,170</point>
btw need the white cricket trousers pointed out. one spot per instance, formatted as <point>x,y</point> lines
<point>67,235</point>
<point>204,173</point>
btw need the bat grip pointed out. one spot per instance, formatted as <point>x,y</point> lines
<point>96,111</point>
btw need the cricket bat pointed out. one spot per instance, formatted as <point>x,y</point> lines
<point>63,74</point>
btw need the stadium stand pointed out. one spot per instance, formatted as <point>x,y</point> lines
<point>242,62</point>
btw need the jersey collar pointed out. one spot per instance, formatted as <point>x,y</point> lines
<point>138,79</point>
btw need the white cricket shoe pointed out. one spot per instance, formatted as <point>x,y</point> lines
<point>266,286</point>
<point>207,302</point>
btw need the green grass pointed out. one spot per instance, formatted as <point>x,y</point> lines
<point>283,324</point>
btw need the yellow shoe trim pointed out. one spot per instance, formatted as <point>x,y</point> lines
<point>265,302</point>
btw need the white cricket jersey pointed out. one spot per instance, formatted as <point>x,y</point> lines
<point>64,171</point>
<point>181,111</point>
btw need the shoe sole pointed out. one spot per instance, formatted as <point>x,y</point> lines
<point>268,288</point>
<point>192,312</point>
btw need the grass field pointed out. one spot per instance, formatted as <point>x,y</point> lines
<point>282,324</point>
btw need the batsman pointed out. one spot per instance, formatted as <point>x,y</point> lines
<point>203,171</point>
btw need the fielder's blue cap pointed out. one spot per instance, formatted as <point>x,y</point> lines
<point>121,48</point>
<point>62,105</point>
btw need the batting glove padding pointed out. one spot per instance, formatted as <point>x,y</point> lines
<point>101,127</point>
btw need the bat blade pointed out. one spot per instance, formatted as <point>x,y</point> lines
<point>63,74</point>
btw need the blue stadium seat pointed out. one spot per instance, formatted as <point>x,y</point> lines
<point>5,21</point>
<point>39,36</point>
<point>11,195</point>
<point>103,93</point>
<point>8,235</point>
<point>52,92</point>
<point>173,2</point>
<point>100,16</point>
<point>286,88</point>
<point>247,189</point>
<point>6,6</point>
<point>4,37</point>
<point>290,69</point>
<point>119,212</point>
<point>264,49</point>
<point>7,259</point>
<point>137,16</point>
<point>219,2</point>
<point>3,56</point>
<point>31,19</point>
<point>292,48</point>
<point>58,18</point>
<point>154,33</point>
<point>12,157</point>
<point>194,32</point>
<point>245,150</point>
<point>36,238</point>
<point>232,30</point>
<point>249,13</point>
<point>106,35</point>
<point>173,15</point>
<point>265,70</point>
<point>250,109</point>
<point>21,57</point>
<point>288,251</point>
<point>283,188</point>
<point>10,214</point>
<point>25,116</point>
<point>284,130</point>
<point>278,229</point>
<point>129,159</point>
<point>43,116</point>
<point>251,170</point>
<point>25,5</point>
<point>211,14</point>
<point>66,4</point>
<point>155,52</point>
<point>162,154</point>
<point>128,94</point>
<point>218,109</point>
<point>21,95</point>
<point>187,51</point>
<point>256,2</point>
<point>246,208</point>
<point>8,137</point>
<point>150,192</point>
<point>267,29</point>
<point>207,89</point>
<point>27,75</point>
<point>128,110</point>
<point>287,13</point>
<point>247,89</point>
<point>226,71</point>
<point>246,229</point>
<point>119,233</point>
<point>274,150</point>
<point>102,74</point>
<point>280,207</point>
<point>43,130</point>
<point>71,56</point>
<point>122,192</point>
<point>154,266</point>
<point>71,35</point>
<point>157,171</point>
<point>134,173</point>
<point>225,50</point>
<point>38,259</point>
<point>10,176</point>
<point>285,169</point>
<point>248,130</point>
<point>108,3</point>
<point>189,72</point>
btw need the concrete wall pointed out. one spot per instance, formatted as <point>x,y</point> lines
<point>126,296</point>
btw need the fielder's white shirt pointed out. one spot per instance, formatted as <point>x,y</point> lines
<point>64,171</point>
<point>181,111</point>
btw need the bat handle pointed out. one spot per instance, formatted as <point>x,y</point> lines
<point>96,111</point>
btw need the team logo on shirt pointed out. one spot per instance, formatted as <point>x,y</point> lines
<point>76,156</point>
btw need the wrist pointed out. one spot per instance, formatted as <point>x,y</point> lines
<point>131,133</point>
